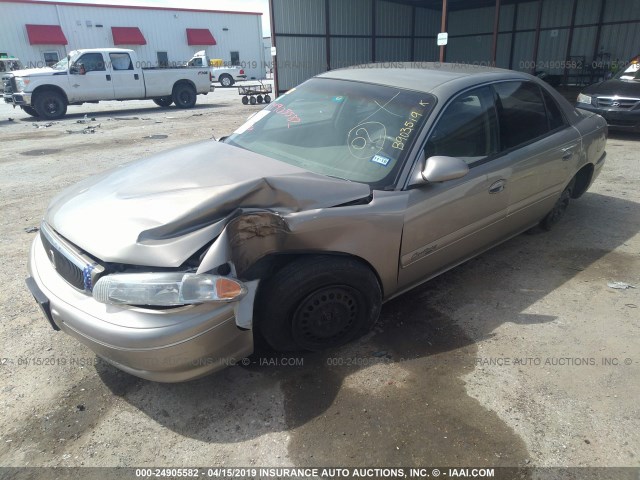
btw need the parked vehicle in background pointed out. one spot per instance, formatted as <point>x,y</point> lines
<point>616,99</point>
<point>226,75</point>
<point>344,193</point>
<point>7,65</point>
<point>92,75</point>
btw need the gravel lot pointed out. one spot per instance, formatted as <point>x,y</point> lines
<point>521,357</point>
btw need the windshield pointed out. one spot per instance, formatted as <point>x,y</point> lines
<point>350,130</point>
<point>63,64</point>
<point>632,72</point>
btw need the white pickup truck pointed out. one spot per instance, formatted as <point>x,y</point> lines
<point>91,75</point>
<point>226,75</point>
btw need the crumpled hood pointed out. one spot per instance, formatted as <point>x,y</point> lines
<point>160,210</point>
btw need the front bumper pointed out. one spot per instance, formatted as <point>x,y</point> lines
<point>171,345</point>
<point>20,98</point>
<point>617,119</point>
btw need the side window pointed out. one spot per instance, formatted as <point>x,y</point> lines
<point>235,59</point>
<point>467,129</point>
<point>554,115</point>
<point>92,62</point>
<point>163,59</point>
<point>121,61</point>
<point>521,113</point>
<point>51,58</point>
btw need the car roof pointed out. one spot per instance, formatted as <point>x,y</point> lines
<point>106,49</point>
<point>424,76</point>
<point>443,80</point>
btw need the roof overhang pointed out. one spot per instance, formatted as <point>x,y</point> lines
<point>127,36</point>
<point>200,36</point>
<point>46,35</point>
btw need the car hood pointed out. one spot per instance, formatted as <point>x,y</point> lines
<point>36,72</point>
<point>613,87</point>
<point>160,210</point>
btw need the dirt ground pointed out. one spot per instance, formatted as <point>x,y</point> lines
<point>523,356</point>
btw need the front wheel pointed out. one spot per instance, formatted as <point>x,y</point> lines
<point>267,99</point>
<point>50,105</point>
<point>163,101</point>
<point>29,110</point>
<point>184,96</point>
<point>318,302</point>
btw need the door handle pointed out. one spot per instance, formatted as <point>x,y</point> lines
<point>567,153</point>
<point>108,78</point>
<point>498,186</point>
<point>135,76</point>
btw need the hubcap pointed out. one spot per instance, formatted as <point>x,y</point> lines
<point>326,315</point>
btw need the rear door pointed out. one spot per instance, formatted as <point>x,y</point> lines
<point>127,80</point>
<point>90,79</point>
<point>542,149</point>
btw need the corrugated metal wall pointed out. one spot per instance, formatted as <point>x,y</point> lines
<point>353,38</point>
<point>164,30</point>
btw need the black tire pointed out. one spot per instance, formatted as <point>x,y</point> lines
<point>252,100</point>
<point>267,99</point>
<point>226,80</point>
<point>184,95</point>
<point>259,98</point>
<point>245,100</point>
<point>163,102</point>
<point>29,110</point>
<point>316,303</point>
<point>557,212</point>
<point>50,105</point>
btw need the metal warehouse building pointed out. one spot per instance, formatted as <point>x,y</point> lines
<point>575,41</point>
<point>40,33</point>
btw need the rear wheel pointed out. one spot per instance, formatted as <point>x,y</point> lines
<point>259,98</point>
<point>184,95</point>
<point>226,80</point>
<point>318,302</point>
<point>50,105</point>
<point>557,212</point>
<point>29,110</point>
<point>252,100</point>
<point>267,99</point>
<point>245,100</point>
<point>163,101</point>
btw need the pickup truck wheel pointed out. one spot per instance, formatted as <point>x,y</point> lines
<point>226,80</point>
<point>29,110</point>
<point>50,105</point>
<point>184,96</point>
<point>318,302</point>
<point>163,101</point>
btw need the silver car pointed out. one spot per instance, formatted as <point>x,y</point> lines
<point>341,194</point>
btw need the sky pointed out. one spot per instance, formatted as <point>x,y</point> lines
<point>231,5</point>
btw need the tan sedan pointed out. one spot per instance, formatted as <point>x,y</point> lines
<point>340,195</point>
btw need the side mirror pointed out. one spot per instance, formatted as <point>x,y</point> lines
<point>73,70</point>
<point>440,169</point>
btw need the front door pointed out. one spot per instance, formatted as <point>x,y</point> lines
<point>89,79</point>
<point>127,81</point>
<point>447,222</point>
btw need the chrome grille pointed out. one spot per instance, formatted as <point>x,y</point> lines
<point>618,102</point>
<point>77,268</point>
<point>8,84</point>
